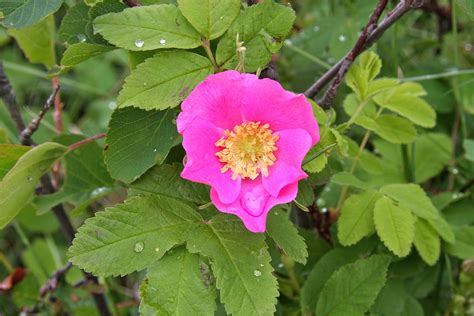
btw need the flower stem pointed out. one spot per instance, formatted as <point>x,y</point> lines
<point>207,47</point>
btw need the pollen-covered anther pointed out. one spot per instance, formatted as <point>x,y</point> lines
<point>247,150</point>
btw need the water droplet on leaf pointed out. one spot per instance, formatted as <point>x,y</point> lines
<point>139,247</point>
<point>29,178</point>
<point>257,273</point>
<point>162,41</point>
<point>342,38</point>
<point>157,249</point>
<point>321,202</point>
<point>139,43</point>
<point>81,38</point>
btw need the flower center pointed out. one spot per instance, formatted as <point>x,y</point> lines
<point>247,150</point>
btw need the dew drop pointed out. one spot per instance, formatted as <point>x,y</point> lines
<point>81,38</point>
<point>455,171</point>
<point>316,28</point>
<point>29,178</point>
<point>139,43</point>
<point>261,265</point>
<point>288,42</point>
<point>139,247</point>
<point>327,189</point>
<point>324,210</point>
<point>280,265</point>
<point>145,84</point>
<point>112,105</point>
<point>321,202</point>
<point>276,213</point>
<point>222,18</point>
<point>342,38</point>
<point>257,273</point>
<point>162,41</point>
<point>155,150</point>
<point>157,249</point>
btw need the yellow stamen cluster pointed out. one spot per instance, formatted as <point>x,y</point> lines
<point>247,150</point>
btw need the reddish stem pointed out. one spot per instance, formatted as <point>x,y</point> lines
<point>57,107</point>
<point>85,141</point>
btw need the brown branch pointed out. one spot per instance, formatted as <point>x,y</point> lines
<point>132,3</point>
<point>7,94</point>
<point>58,121</point>
<point>25,135</point>
<point>86,141</point>
<point>403,7</point>
<point>52,284</point>
<point>356,50</point>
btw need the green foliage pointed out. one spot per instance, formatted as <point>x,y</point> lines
<point>9,154</point>
<point>211,18</point>
<point>18,185</point>
<point>285,235</point>
<point>395,225</point>
<point>131,236</point>
<point>352,289</point>
<point>145,137</point>
<point>77,53</point>
<point>427,241</point>
<point>148,28</point>
<point>159,84</point>
<point>176,285</point>
<point>240,264</point>
<point>23,13</point>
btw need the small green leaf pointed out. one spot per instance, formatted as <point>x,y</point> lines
<point>412,107</point>
<point>76,25</point>
<point>285,235</point>
<point>357,217</point>
<point>362,73</point>
<point>175,285</point>
<point>77,53</point>
<point>382,84</point>
<point>23,13</point>
<point>437,146</point>
<point>255,27</point>
<point>212,17</point>
<point>319,275</point>
<point>148,28</point>
<point>390,127</point>
<point>164,80</point>
<point>463,247</point>
<point>130,236</point>
<point>412,196</point>
<point>137,140</point>
<point>18,185</point>
<point>9,154</point>
<point>391,299</point>
<point>348,179</point>
<point>412,307</point>
<point>395,226</point>
<point>37,42</point>
<point>468,145</point>
<point>427,241</point>
<point>166,180</point>
<point>240,263</point>
<point>352,289</point>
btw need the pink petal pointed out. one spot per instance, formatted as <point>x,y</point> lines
<point>254,203</point>
<point>266,101</point>
<point>202,164</point>
<point>293,145</point>
<point>217,99</point>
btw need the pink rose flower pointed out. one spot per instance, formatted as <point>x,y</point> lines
<point>246,138</point>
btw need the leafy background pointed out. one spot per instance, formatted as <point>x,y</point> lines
<point>382,226</point>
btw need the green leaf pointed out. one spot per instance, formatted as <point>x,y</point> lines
<point>285,235</point>
<point>240,263</point>
<point>255,27</point>
<point>395,226</point>
<point>76,25</point>
<point>346,178</point>
<point>352,289</point>
<point>148,28</point>
<point>391,299</point>
<point>357,217</point>
<point>390,127</point>
<point>362,73</point>
<point>22,13</point>
<point>137,140</point>
<point>37,42</point>
<point>132,235</point>
<point>86,176</point>
<point>468,146</point>
<point>427,241</point>
<point>437,146</point>
<point>443,228</point>
<point>412,307</point>
<point>463,247</point>
<point>319,275</point>
<point>352,103</point>
<point>18,185</point>
<point>412,107</point>
<point>412,196</point>
<point>382,84</point>
<point>467,6</point>
<point>166,180</point>
<point>211,17</point>
<point>77,53</point>
<point>9,154</point>
<point>164,80</point>
<point>175,285</point>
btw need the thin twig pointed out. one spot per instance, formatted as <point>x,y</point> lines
<point>8,96</point>
<point>52,284</point>
<point>132,3</point>
<point>58,121</point>
<point>85,141</point>
<point>403,7</point>
<point>25,135</point>
<point>356,50</point>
